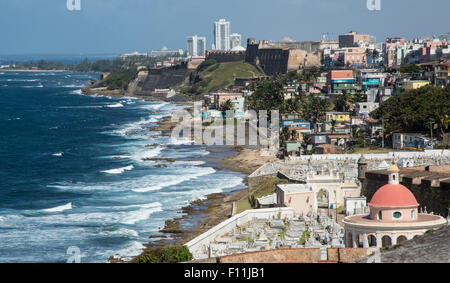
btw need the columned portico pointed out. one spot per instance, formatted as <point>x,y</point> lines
<point>365,241</point>
<point>394,238</point>
<point>378,240</point>
<point>355,240</point>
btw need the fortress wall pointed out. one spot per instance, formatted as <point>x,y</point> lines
<point>344,255</point>
<point>164,78</point>
<point>225,56</point>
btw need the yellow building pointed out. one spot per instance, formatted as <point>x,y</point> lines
<point>338,116</point>
<point>414,84</point>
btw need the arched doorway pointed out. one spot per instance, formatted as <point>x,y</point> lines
<point>386,242</point>
<point>323,198</point>
<point>401,239</point>
<point>372,240</point>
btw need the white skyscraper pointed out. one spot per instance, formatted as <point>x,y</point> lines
<point>222,35</point>
<point>196,45</point>
<point>235,40</point>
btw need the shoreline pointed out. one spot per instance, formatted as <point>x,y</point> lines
<point>213,208</point>
<point>202,214</point>
<point>34,71</point>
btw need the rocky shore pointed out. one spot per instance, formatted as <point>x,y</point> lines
<point>200,215</point>
<point>133,91</point>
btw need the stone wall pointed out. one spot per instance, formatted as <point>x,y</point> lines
<point>298,57</point>
<point>281,57</point>
<point>164,78</point>
<point>347,255</point>
<point>225,56</point>
<point>273,60</point>
<point>344,255</point>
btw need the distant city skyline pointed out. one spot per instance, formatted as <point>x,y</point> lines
<point>120,26</point>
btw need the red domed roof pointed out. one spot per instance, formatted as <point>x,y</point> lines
<point>393,196</point>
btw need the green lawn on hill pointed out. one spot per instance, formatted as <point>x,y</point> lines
<point>221,75</point>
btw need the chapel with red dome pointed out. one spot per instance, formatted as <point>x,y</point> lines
<point>393,217</point>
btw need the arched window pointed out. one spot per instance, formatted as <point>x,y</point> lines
<point>386,242</point>
<point>413,214</point>
<point>401,239</point>
<point>380,215</point>
<point>393,177</point>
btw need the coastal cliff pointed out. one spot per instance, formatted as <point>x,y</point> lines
<point>144,83</point>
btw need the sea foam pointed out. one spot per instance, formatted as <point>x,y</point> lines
<point>59,208</point>
<point>117,105</point>
<point>144,213</point>
<point>119,170</point>
<point>168,181</point>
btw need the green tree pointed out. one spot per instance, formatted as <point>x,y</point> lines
<point>413,110</point>
<point>333,125</point>
<point>166,255</point>
<point>375,54</point>
<point>410,69</point>
<point>226,106</point>
<point>314,108</point>
<point>344,101</point>
<point>268,95</point>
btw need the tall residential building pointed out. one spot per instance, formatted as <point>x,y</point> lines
<point>196,45</point>
<point>235,40</point>
<point>394,51</point>
<point>222,35</point>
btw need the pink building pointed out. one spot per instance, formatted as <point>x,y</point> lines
<point>428,52</point>
<point>393,217</point>
<point>298,196</point>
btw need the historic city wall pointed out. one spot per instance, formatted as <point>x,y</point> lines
<point>225,56</point>
<point>281,57</point>
<point>344,255</point>
<point>164,78</point>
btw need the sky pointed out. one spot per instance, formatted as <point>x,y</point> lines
<point>118,26</point>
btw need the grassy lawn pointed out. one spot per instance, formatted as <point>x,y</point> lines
<point>221,75</point>
<point>265,188</point>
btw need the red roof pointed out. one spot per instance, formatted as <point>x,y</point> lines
<point>393,196</point>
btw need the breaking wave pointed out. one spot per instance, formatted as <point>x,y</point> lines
<point>59,208</point>
<point>119,170</point>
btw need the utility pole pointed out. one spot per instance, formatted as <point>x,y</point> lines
<point>382,133</point>
<point>431,129</point>
<point>336,203</point>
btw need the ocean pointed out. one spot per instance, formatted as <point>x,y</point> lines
<point>72,170</point>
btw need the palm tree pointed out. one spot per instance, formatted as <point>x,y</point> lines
<point>375,54</point>
<point>333,125</point>
<point>227,105</point>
